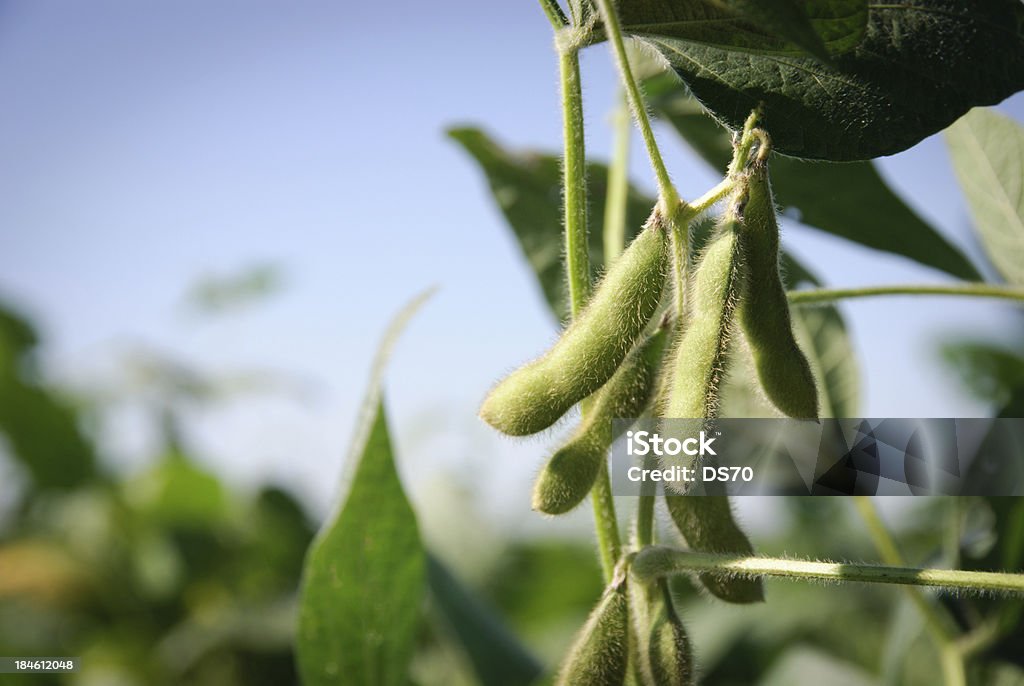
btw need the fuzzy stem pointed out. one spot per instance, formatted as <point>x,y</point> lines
<point>577,267</point>
<point>574,182</point>
<point>667,192</point>
<point>554,14</point>
<point>658,561</point>
<point>618,186</point>
<point>943,636</point>
<point>977,290</point>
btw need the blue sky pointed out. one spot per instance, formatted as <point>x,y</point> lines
<point>146,145</point>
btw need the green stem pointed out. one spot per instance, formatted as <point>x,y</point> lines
<point>939,626</point>
<point>667,192</point>
<point>554,14</point>
<point>577,267</point>
<point>977,290</point>
<point>657,561</point>
<point>618,187</point>
<point>574,182</point>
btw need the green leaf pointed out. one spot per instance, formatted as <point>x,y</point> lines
<point>842,21</point>
<point>991,372</point>
<point>921,65</point>
<point>497,655</point>
<point>988,155</point>
<point>821,28</point>
<point>365,573</point>
<point>528,189</point>
<point>848,200</point>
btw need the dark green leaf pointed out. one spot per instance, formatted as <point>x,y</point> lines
<point>848,200</point>
<point>809,24</point>
<point>988,155</point>
<point>528,189</point>
<point>497,655</point>
<point>992,373</point>
<point>365,573</point>
<point>778,27</point>
<point>921,65</point>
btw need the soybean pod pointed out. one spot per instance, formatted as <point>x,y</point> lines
<point>699,358</point>
<point>593,346</point>
<point>707,524</point>
<point>570,473</point>
<point>669,658</point>
<point>599,655</point>
<point>782,368</point>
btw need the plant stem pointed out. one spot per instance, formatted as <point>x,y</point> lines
<point>618,186</point>
<point>658,561</point>
<point>577,267</point>
<point>574,182</point>
<point>667,192</point>
<point>943,636</point>
<point>554,14</point>
<point>977,290</point>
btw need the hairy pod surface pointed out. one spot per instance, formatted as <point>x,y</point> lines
<point>707,524</point>
<point>669,655</point>
<point>699,358</point>
<point>570,473</point>
<point>587,354</point>
<point>782,368</point>
<point>599,656</point>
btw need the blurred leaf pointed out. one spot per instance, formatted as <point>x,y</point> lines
<point>365,573</point>
<point>920,66</point>
<point>497,655</point>
<point>802,666</point>
<point>40,571</point>
<point>847,200</point>
<point>777,27</point>
<point>176,492</point>
<point>990,372</point>
<point>217,294</point>
<point>905,626</point>
<point>988,155</point>
<point>528,189</point>
<point>40,426</point>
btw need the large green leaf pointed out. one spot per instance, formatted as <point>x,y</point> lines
<point>988,154</point>
<point>921,65</point>
<point>497,655</point>
<point>528,189</point>
<point>849,200</point>
<point>778,27</point>
<point>365,573</point>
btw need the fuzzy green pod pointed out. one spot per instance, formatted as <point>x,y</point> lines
<point>669,655</point>
<point>587,354</point>
<point>707,524</point>
<point>599,656</point>
<point>782,368</point>
<point>570,473</point>
<point>700,353</point>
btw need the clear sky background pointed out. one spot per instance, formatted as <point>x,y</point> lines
<point>145,145</point>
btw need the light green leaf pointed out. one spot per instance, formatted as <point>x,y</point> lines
<point>497,655</point>
<point>365,573</point>
<point>921,65</point>
<point>528,189</point>
<point>821,28</point>
<point>848,200</point>
<point>988,155</point>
